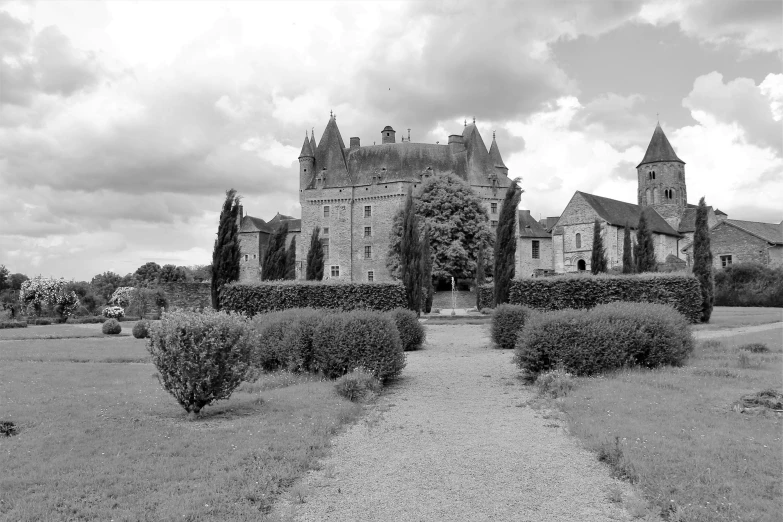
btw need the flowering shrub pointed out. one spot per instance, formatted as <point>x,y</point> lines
<point>122,296</point>
<point>37,293</point>
<point>113,312</point>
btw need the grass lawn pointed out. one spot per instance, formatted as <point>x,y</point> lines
<point>674,432</point>
<point>102,440</point>
<point>60,331</point>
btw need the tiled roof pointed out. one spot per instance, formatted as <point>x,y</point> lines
<point>619,213</point>
<point>253,224</point>
<point>769,232</point>
<point>529,227</point>
<point>659,149</point>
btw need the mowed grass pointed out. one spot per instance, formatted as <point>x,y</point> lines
<point>673,431</point>
<point>60,331</point>
<point>102,440</point>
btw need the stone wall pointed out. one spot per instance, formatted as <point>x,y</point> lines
<point>526,266</point>
<point>776,256</point>
<point>741,246</point>
<point>187,295</point>
<point>668,175</point>
<point>249,269</point>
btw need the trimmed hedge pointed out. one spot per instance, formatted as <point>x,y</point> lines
<point>587,291</point>
<point>13,324</point>
<point>90,319</point>
<point>356,339</point>
<point>273,296</point>
<point>485,295</point>
<point>604,338</point>
<point>411,331</point>
<point>507,321</point>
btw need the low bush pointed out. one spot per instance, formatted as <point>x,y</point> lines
<point>604,338</point>
<point>141,330</point>
<point>507,322</point>
<point>200,357</point>
<point>111,327</point>
<point>113,312</point>
<point>360,338</point>
<point>749,284</point>
<point>273,296</point>
<point>90,319</point>
<point>284,340</point>
<point>13,324</point>
<point>357,385</point>
<point>486,294</point>
<point>411,331</point>
<point>755,347</point>
<point>42,321</point>
<point>129,318</point>
<point>555,383</point>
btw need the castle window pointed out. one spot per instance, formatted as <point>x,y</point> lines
<point>494,207</point>
<point>493,223</point>
<point>305,170</point>
<point>254,256</point>
<point>368,252</point>
<point>387,133</point>
<point>325,247</point>
<point>653,174</point>
<point>246,257</point>
<point>672,194</point>
<point>581,265</point>
<point>326,231</point>
<point>326,211</point>
<point>370,276</point>
<point>725,261</point>
<point>579,241</point>
<point>367,211</point>
<point>335,271</point>
<point>367,231</point>
<point>535,249</point>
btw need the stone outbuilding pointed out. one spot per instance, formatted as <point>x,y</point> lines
<point>254,234</point>
<point>534,248</point>
<point>737,241</point>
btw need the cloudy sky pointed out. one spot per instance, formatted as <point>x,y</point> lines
<point>122,124</point>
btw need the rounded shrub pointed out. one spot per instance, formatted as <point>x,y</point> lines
<point>507,322</point>
<point>411,331</point>
<point>606,337</point>
<point>111,327</point>
<point>141,330</point>
<point>358,384</point>
<point>362,338</point>
<point>200,357</point>
<point>284,340</point>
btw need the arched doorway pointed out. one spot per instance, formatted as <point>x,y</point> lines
<point>581,266</point>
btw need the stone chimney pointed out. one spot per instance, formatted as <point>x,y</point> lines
<point>355,143</point>
<point>456,143</point>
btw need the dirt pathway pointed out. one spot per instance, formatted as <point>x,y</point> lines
<point>730,332</point>
<point>452,440</point>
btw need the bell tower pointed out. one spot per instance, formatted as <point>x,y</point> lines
<point>661,176</point>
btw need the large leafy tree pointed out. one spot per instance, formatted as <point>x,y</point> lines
<point>315,257</point>
<point>274,267</point>
<point>4,274</point>
<point>598,262</point>
<point>458,222</point>
<point>16,280</point>
<point>147,274</point>
<point>702,261</point>
<point>426,270</point>
<point>290,260</point>
<point>105,284</point>
<point>410,254</point>
<point>644,252</point>
<point>225,255</point>
<point>628,266</point>
<point>506,243</point>
<point>172,274</point>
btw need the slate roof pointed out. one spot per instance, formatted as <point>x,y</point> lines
<point>619,213</point>
<point>307,151</point>
<point>769,232</point>
<point>688,219</point>
<point>659,149</point>
<point>494,154</point>
<point>529,227</point>
<point>719,212</point>
<point>330,155</point>
<point>254,224</point>
<point>549,223</point>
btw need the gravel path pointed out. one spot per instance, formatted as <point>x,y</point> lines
<point>452,440</point>
<point>729,332</point>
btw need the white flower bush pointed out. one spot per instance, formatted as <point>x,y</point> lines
<point>122,296</point>
<point>114,312</point>
<point>39,292</point>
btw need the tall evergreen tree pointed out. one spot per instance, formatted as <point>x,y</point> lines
<point>506,243</point>
<point>481,275</point>
<point>645,247</point>
<point>315,257</point>
<point>702,261</point>
<point>628,266</point>
<point>426,271</point>
<point>274,261</point>
<point>225,255</point>
<point>598,262</point>
<point>290,260</point>
<point>410,255</point>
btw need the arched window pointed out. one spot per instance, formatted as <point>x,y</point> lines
<point>579,241</point>
<point>653,174</point>
<point>666,193</point>
<point>581,266</point>
<point>672,194</point>
<point>648,196</point>
<point>656,196</point>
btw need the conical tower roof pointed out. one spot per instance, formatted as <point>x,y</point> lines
<point>330,155</point>
<point>659,149</point>
<point>313,146</point>
<point>494,153</point>
<point>307,150</point>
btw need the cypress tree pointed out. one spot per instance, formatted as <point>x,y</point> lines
<point>702,261</point>
<point>426,271</point>
<point>315,257</point>
<point>480,275</point>
<point>290,260</point>
<point>506,243</point>
<point>225,254</point>
<point>645,247</point>
<point>628,267</point>
<point>274,260</point>
<point>598,262</point>
<point>410,254</point>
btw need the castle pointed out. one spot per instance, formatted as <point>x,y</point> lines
<point>353,192</point>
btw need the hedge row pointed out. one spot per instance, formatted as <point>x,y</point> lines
<point>587,291</point>
<point>749,284</point>
<point>13,324</point>
<point>604,338</point>
<point>258,298</point>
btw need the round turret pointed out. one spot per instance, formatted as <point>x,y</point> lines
<point>387,135</point>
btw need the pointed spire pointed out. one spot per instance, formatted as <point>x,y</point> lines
<point>466,122</point>
<point>331,153</point>
<point>307,150</point>
<point>659,149</point>
<point>494,154</point>
<point>474,120</point>
<point>313,146</point>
